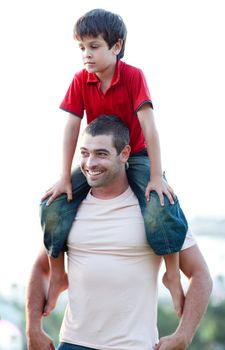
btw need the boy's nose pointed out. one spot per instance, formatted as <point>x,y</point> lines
<point>87,53</point>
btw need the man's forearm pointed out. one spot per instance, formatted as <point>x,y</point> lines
<point>36,292</point>
<point>196,302</point>
<point>37,288</point>
<point>194,267</point>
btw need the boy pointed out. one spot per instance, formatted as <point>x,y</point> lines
<point>109,86</point>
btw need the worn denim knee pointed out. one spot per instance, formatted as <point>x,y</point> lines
<point>166,226</point>
<point>57,219</point>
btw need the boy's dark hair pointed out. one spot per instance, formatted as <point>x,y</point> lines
<point>101,22</point>
<point>110,125</point>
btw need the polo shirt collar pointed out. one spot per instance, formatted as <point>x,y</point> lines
<point>92,78</point>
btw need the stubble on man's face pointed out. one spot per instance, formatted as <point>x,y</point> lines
<point>100,162</point>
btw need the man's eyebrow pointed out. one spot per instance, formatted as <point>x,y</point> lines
<point>95,150</point>
<point>102,150</point>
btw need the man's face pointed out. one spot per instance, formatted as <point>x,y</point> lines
<point>99,160</point>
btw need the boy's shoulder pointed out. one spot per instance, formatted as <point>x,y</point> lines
<point>129,70</point>
<point>128,67</point>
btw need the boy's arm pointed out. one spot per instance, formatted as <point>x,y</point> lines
<point>157,182</point>
<point>35,301</point>
<point>70,138</point>
<point>194,267</point>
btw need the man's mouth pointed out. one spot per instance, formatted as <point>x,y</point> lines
<point>93,172</point>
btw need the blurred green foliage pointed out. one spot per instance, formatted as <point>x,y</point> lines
<point>209,336</point>
<point>211,332</point>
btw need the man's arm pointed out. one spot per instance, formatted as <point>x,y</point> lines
<point>35,301</point>
<point>194,267</point>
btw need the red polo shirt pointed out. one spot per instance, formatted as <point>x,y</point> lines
<point>127,92</point>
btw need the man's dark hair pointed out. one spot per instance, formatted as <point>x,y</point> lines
<point>110,125</point>
<point>101,22</point>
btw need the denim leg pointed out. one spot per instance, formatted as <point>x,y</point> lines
<point>57,219</point>
<point>165,226</point>
<point>67,346</point>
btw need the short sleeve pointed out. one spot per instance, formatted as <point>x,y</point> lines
<point>73,100</point>
<point>140,90</point>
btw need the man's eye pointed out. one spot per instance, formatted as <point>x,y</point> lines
<point>94,46</point>
<point>84,154</point>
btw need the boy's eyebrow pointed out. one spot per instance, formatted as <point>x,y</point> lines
<point>92,41</point>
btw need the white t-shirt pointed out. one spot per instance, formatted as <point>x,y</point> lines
<point>112,275</point>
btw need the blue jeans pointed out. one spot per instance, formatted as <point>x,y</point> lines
<point>165,226</point>
<point>67,346</point>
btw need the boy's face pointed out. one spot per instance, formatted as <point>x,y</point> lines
<point>97,56</point>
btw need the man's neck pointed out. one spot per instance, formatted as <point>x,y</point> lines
<point>111,191</point>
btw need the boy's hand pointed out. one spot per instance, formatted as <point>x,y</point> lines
<point>57,189</point>
<point>161,187</point>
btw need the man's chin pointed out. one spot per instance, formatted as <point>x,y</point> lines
<point>93,183</point>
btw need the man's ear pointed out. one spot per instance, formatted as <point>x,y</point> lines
<point>125,153</point>
<point>117,47</point>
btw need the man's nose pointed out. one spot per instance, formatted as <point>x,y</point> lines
<point>91,161</point>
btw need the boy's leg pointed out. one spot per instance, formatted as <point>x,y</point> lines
<point>165,226</point>
<point>171,280</point>
<point>57,220</point>
<point>58,282</point>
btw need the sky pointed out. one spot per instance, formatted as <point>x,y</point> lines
<point>178,44</point>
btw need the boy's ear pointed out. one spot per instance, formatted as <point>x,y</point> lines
<point>117,47</point>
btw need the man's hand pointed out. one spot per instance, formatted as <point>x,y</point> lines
<point>172,342</point>
<point>62,186</point>
<point>39,341</point>
<point>161,187</point>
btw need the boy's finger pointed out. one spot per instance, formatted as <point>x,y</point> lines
<point>69,196</point>
<point>170,197</point>
<point>161,198</point>
<point>147,195</point>
<point>51,199</point>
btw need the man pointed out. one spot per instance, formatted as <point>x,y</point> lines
<point>112,272</point>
